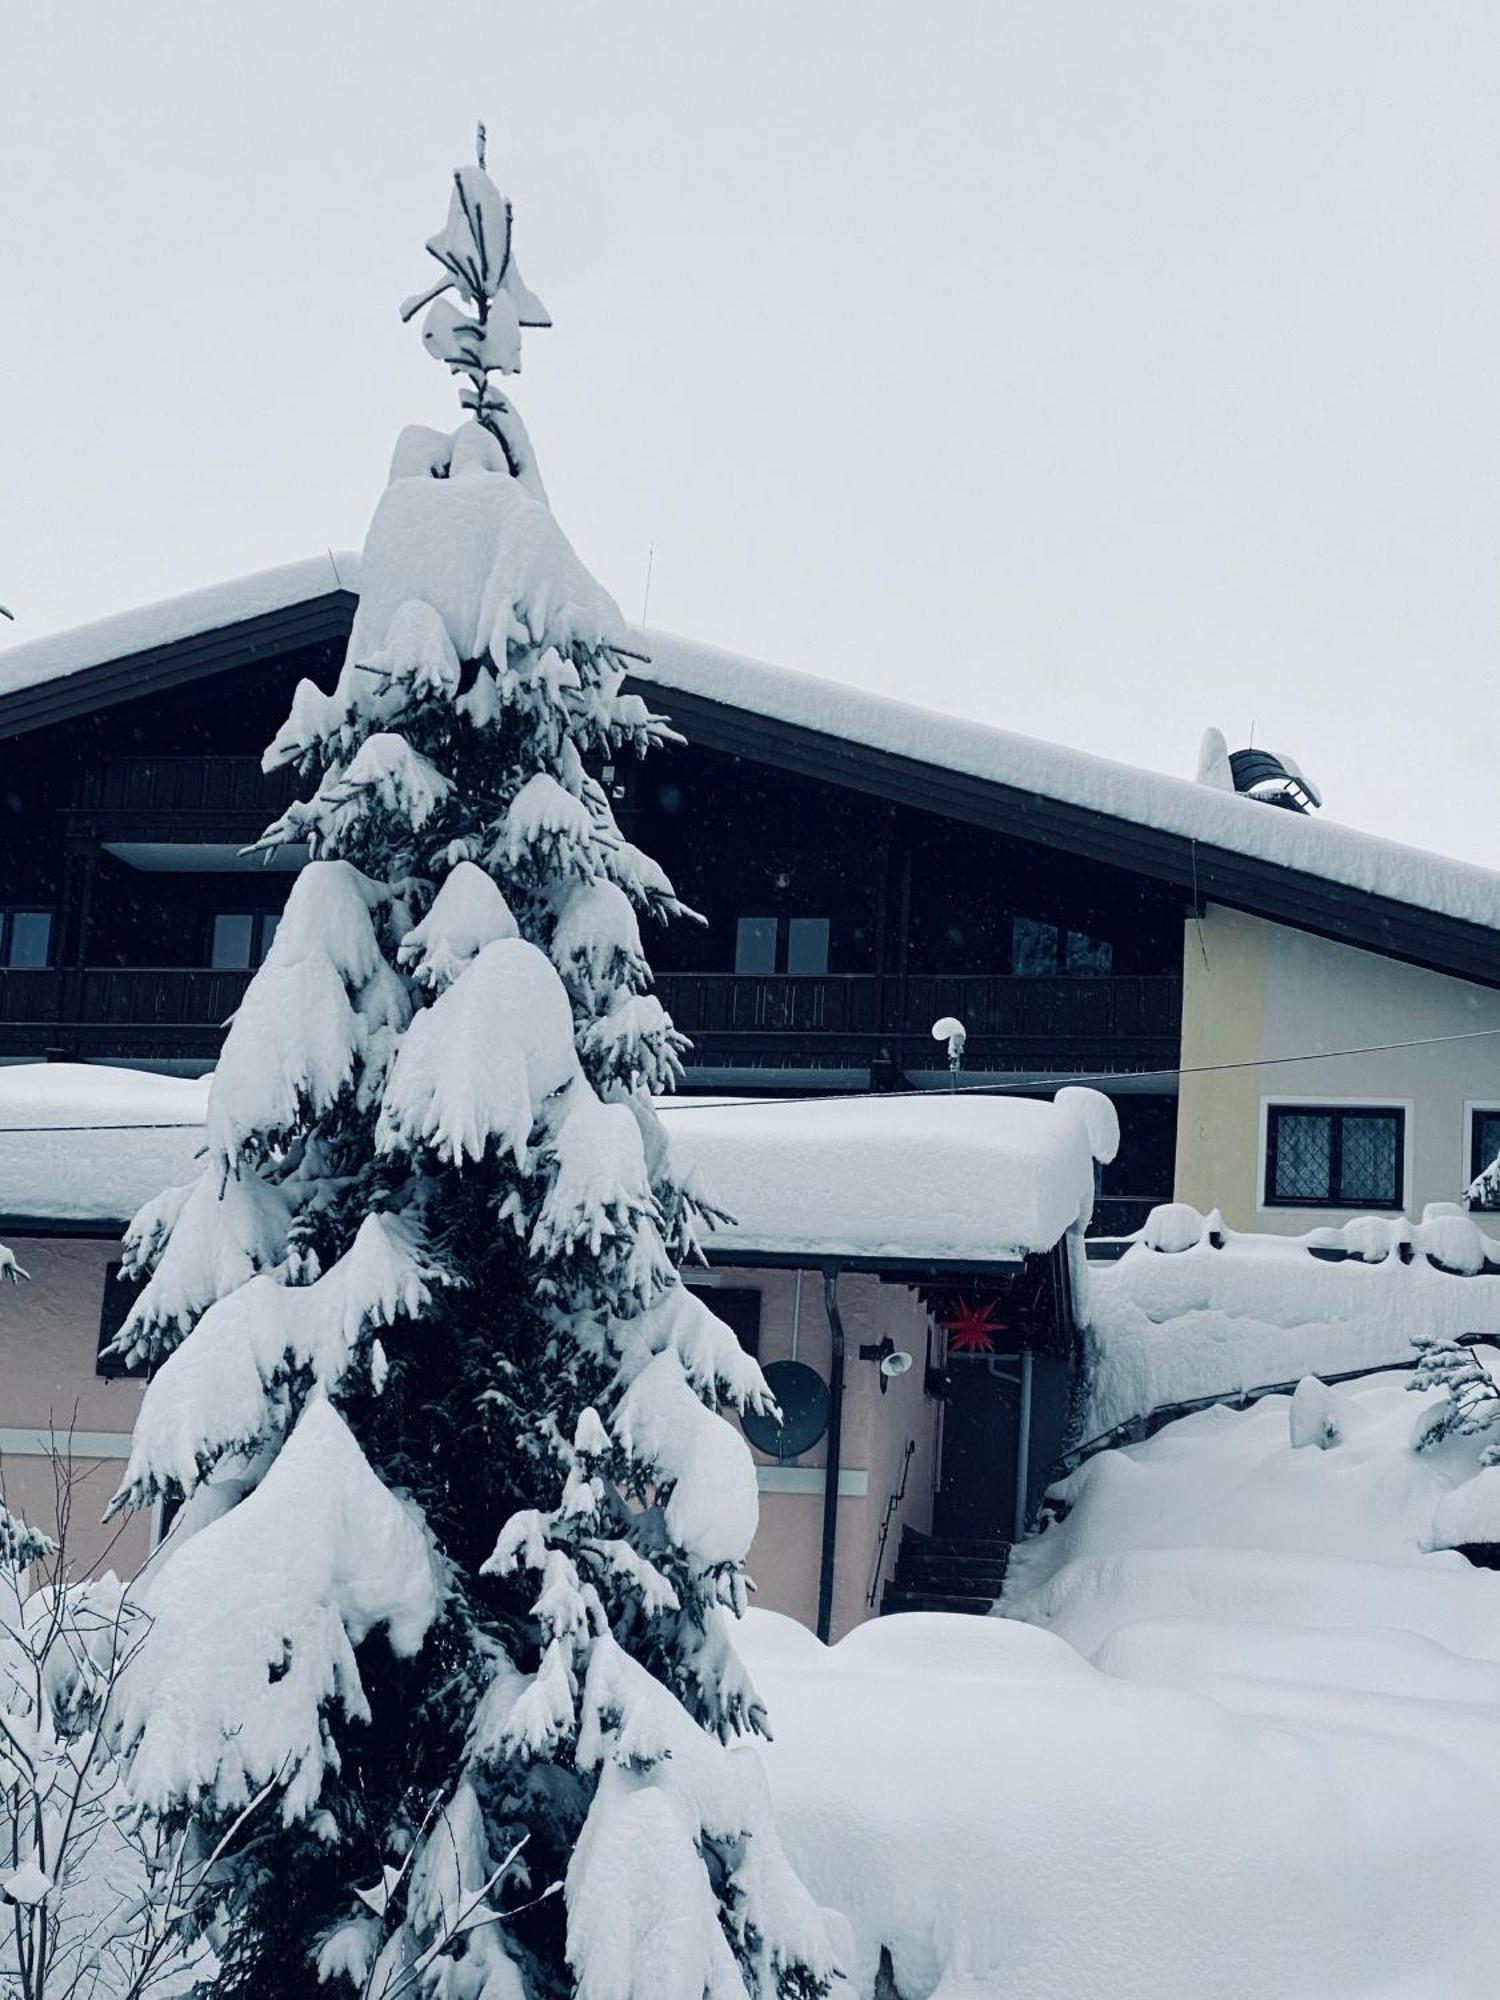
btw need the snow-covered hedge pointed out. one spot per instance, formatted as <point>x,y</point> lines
<point>1195,1309</point>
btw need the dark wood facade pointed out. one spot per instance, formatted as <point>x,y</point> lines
<point>839,923</point>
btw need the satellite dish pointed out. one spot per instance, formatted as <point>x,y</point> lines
<point>802,1395</point>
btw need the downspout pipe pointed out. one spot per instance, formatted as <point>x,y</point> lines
<point>835,1444</point>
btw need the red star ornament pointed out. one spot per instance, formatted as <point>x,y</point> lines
<point>972,1329</point>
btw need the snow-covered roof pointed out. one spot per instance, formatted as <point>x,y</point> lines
<point>1206,814</point>
<point>903,1180</point>
<point>81,1143</point>
<point>912,1180</point>
<point>35,661</point>
<point>1180,807</point>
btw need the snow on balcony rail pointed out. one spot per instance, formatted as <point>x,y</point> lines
<point>1195,1311</point>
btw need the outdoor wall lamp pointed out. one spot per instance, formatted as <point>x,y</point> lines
<point>890,1359</point>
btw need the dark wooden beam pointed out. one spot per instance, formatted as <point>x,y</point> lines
<point>1308,902</point>
<point>316,621</point>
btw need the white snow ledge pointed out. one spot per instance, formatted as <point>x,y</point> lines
<point>186,617</point>
<point>1312,845</point>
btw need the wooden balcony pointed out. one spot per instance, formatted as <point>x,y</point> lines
<point>97,1013</point>
<point>179,798</point>
<point>1130,1021</point>
<point>735,1020</point>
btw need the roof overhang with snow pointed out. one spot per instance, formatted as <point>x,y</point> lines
<point>187,638</point>
<point>1213,845</point>
<point>901,1185</point>
<point>906,1186</point>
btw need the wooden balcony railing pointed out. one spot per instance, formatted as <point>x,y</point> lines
<point>838,1021</point>
<point>184,794</point>
<point>1128,1019</point>
<point>101,1011</point>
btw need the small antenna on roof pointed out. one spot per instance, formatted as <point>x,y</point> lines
<point>646,593</point>
<point>479,144</point>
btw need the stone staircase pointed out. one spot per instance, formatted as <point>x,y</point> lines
<point>942,1573</point>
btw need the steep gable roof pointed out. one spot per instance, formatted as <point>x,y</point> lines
<point>1215,845</point>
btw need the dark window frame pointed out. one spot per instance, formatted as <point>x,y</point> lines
<point>1480,1156</point>
<point>739,1308</point>
<point>119,1297</point>
<point>8,916</point>
<point>1337,1115</point>
<point>1070,948</point>
<point>781,947</point>
<point>260,944</point>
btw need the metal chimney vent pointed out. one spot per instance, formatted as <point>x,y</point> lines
<point>1275,781</point>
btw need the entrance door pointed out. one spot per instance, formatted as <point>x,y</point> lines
<point>976,1496</point>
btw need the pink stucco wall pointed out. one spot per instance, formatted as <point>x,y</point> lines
<point>786,1556</point>
<point>49,1332</point>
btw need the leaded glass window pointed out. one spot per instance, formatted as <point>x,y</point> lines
<point>1333,1156</point>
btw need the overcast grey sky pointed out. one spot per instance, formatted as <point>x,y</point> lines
<point>1101,369</point>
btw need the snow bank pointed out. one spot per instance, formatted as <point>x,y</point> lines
<point>924,1178</point>
<point>1195,811</point>
<point>186,617</point>
<point>1175,1323</point>
<point>1006,1819</point>
<point>1238,1734</point>
<point>80,1143</point>
<point>1470,1514</point>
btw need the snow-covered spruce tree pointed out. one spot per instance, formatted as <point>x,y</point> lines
<point>426,1293</point>
<point>1472,1408</point>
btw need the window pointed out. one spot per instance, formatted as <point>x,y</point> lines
<point>1484,1146</point>
<point>1333,1156</point>
<point>781,944</point>
<point>807,944</point>
<point>755,944</point>
<point>1039,951</point>
<point>1087,955</point>
<point>25,938</point>
<point>120,1294</point>
<point>739,1308</point>
<point>242,939</point>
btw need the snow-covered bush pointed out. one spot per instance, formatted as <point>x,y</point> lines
<point>1471,1405</point>
<point>464,1530</point>
<point>94,1904</point>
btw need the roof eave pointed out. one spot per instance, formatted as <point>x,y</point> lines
<point>1308,902</point>
<point>313,621</point>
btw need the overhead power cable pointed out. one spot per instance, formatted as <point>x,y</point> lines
<point>1020,1086</point>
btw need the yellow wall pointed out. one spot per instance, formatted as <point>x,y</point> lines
<point>1256,992</point>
